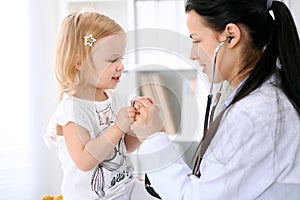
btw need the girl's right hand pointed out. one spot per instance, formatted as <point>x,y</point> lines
<point>125,118</point>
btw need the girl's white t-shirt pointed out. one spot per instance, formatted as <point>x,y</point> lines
<point>111,179</point>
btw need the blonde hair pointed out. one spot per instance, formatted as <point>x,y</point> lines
<point>70,49</point>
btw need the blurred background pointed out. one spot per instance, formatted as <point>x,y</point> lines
<point>28,169</point>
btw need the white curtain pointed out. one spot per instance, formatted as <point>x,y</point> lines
<point>28,170</point>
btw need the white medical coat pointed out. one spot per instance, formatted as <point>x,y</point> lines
<point>255,154</point>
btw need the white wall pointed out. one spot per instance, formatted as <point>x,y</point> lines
<point>43,24</point>
<point>295,7</point>
<point>27,169</point>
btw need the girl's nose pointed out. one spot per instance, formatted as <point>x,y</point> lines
<point>120,66</point>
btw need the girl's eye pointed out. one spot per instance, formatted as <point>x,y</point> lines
<point>115,60</point>
<point>196,42</point>
<point>112,61</point>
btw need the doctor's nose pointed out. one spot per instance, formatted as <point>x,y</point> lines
<point>194,53</point>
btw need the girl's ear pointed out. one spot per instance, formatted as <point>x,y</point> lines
<point>231,34</point>
<point>78,63</point>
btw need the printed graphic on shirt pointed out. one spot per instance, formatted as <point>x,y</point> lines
<point>115,165</point>
<point>106,117</point>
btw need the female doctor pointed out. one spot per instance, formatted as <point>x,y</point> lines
<point>252,149</point>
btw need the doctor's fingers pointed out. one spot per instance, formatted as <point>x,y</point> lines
<point>143,113</point>
<point>148,122</point>
<point>146,113</point>
<point>143,101</point>
<point>137,117</point>
<point>142,117</point>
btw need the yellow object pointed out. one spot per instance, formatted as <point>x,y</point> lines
<point>59,197</point>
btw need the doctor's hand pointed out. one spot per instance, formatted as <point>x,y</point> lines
<point>148,119</point>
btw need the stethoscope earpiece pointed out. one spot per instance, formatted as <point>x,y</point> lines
<point>229,39</point>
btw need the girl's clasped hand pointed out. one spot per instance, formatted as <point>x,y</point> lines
<point>144,118</point>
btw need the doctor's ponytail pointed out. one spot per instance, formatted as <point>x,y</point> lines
<point>288,52</point>
<point>282,54</point>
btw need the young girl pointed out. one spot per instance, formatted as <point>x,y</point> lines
<point>89,126</point>
<point>252,149</point>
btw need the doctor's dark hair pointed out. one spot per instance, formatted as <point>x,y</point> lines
<point>276,38</point>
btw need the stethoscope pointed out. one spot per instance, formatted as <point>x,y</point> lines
<point>209,112</point>
<point>210,94</point>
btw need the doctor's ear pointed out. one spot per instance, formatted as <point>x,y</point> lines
<point>231,34</point>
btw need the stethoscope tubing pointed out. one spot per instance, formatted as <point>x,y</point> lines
<point>210,95</point>
<point>207,119</point>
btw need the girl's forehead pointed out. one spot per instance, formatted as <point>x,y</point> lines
<point>110,45</point>
<point>111,40</point>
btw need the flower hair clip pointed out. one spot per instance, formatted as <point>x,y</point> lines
<point>89,40</point>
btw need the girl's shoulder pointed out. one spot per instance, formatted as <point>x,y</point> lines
<point>71,108</point>
<point>66,104</point>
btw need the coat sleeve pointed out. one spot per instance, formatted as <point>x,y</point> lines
<point>169,174</point>
<point>232,167</point>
